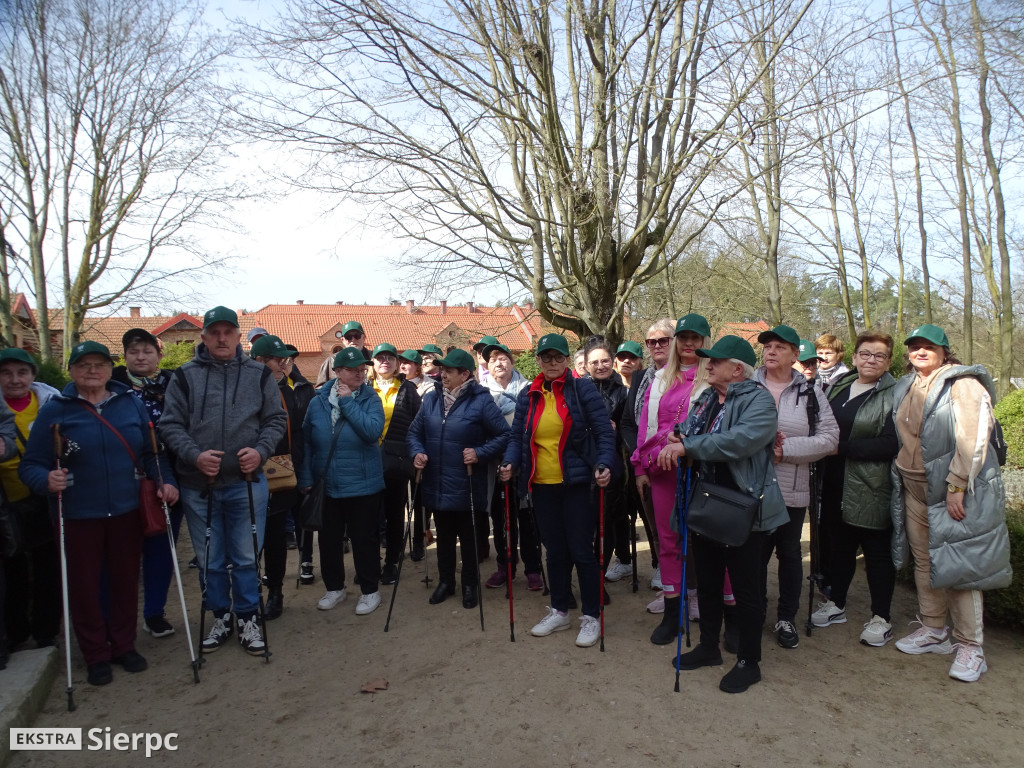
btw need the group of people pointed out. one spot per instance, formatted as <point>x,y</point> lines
<point>562,464</point>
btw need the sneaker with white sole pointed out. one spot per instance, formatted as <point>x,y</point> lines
<point>828,613</point>
<point>590,631</point>
<point>250,637</point>
<point>656,579</point>
<point>969,663</point>
<point>657,605</point>
<point>692,607</point>
<point>553,622</point>
<point>786,634</point>
<point>925,640</point>
<point>618,570</point>
<point>220,632</point>
<point>877,632</point>
<point>368,603</point>
<point>331,599</point>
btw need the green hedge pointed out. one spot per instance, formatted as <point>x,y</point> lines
<point>1006,606</point>
<point>1010,412</point>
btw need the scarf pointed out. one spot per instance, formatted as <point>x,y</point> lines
<point>453,395</point>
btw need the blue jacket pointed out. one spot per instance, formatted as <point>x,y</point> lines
<point>473,421</point>
<point>589,442</point>
<point>356,468</point>
<point>102,474</point>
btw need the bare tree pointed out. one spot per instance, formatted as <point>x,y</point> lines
<point>108,116</point>
<point>558,146</point>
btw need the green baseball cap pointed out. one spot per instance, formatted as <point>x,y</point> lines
<point>270,346</point>
<point>350,326</point>
<point>350,357</point>
<point>500,348</point>
<point>693,322</point>
<point>808,352</point>
<point>18,355</point>
<point>730,348</point>
<point>928,332</point>
<point>88,348</point>
<point>630,348</point>
<point>432,349</point>
<point>780,333</point>
<point>412,356</point>
<point>220,315</point>
<point>485,341</point>
<point>384,349</point>
<point>553,342</point>
<point>457,358</point>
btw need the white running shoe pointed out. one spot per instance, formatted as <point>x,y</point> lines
<point>590,631</point>
<point>331,599</point>
<point>877,632</point>
<point>968,665</point>
<point>827,614</point>
<point>657,605</point>
<point>656,579</point>
<point>925,640</point>
<point>553,622</point>
<point>368,603</point>
<point>618,570</point>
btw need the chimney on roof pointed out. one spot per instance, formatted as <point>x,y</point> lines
<point>528,306</point>
<point>469,306</point>
<point>300,301</point>
<point>444,306</point>
<point>410,304</point>
<point>339,303</point>
<point>136,312</point>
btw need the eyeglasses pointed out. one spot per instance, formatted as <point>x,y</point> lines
<point>879,356</point>
<point>554,357</point>
<point>92,366</point>
<point>386,357</point>
<point>625,358</point>
<point>662,342</point>
<point>353,336</point>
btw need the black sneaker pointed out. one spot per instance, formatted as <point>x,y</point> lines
<point>389,574</point>
<point>132,661</point>
<point>100,674</point>
<point>786,634</point>
<point>701,656</point>
<point>306,574</point>
<point>220,633</point>
<point>157,626</point>
<point>250,637</point>
<point>741,677</point>
<point>290,541</point>
<point>193,563</point>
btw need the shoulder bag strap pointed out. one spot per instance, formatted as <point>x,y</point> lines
<point>111,427</point>
<point>287,419</point>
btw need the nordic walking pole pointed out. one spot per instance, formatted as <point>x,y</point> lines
<point>204,582</point>
<point>508,564</point>
<point>476,553</point>
<point>600,549</point>
<point>683,505</point>
<point>413,495</point>
<point>632,542</point>
<point>174,557</point>
<point>58,450</point>
<point>256,558</point>
<point>406,541</point>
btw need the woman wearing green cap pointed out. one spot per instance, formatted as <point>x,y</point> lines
<point>401,403</point>
<point>948,499</point>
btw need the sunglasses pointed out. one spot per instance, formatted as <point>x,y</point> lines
<point>652,343</point>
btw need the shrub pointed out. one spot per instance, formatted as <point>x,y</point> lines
<point>1006,606</point>
<point>526,364</point>
<point>176,355</point>
<point>1010,412</point>
<point>52,373</point>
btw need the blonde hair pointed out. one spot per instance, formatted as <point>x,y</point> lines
<point>700,378</point>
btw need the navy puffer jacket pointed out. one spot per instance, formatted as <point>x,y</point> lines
<point>473,421</point>
<point>591,439</point>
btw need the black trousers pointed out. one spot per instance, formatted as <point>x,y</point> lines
<point>845,540</point>
<point>452,525</point>
<point>275,537</point>
<point>785,544</point>
<point>748,573</point>
<point>357,516</point>
<point>524,536</point>
<point>393,503</point>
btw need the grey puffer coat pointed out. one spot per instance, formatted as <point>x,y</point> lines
<point>973,553</point>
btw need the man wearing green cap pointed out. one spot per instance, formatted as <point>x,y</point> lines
<point>352,335</point>
<point>222,420</point>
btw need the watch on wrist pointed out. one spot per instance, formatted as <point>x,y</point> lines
<point>954,488</point>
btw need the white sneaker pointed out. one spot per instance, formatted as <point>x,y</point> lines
<point>553,622</point>
<point>827,614</point>
<point>691,605</point>
<point>968,665</point>
<point>331,599</point>
<point>877,632</point>
<point>657,605</point>
<point>656,579</point>
<point>617,570</point>
<point>590,631</point>
<point>368,603</point>
<point>925,640</point>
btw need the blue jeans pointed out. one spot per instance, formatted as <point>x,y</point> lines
<point>158,566</point>
<point>230,542</point>
<point>567,517</point>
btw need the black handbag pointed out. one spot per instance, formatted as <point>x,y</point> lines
<point>724,515</point>
<point>310,515</point>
